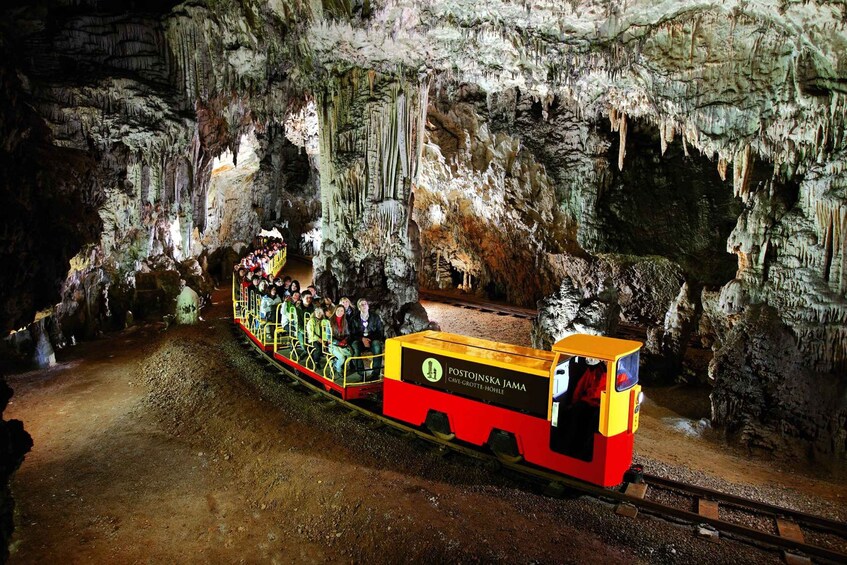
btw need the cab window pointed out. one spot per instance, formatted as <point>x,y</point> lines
<point>627,372</point>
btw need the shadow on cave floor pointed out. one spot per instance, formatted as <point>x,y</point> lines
<point>682,400</point>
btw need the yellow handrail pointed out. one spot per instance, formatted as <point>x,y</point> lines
<point>363,357</point>
<point>235,302</point>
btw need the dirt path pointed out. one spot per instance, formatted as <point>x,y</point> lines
<point>179,446</point>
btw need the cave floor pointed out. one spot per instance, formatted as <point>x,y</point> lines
<point>178,446</point>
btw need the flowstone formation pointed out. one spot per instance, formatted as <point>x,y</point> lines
<point>675,165</point>
<point>754,89</point>
<point>371,136</point>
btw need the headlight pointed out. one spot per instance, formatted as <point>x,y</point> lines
<point>640,397</point>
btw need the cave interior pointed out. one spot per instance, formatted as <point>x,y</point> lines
<point>677,169</point>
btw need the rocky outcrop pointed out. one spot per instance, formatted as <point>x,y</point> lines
<point>15,443</point>
<point>484,205</point>
<point>768,395</point>
<point>371,136</point>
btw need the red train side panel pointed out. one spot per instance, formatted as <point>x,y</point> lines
<point>350,392</point>
<point>472,421</point>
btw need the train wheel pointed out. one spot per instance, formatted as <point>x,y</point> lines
<point>442,436</point>
<point>508,458</point>
<point>439,425</point>
<point>505,446</point>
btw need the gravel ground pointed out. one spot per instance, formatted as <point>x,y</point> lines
<point>771,494</point>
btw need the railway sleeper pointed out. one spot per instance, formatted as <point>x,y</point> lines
<point>555,489</point>
<point>794,559</point>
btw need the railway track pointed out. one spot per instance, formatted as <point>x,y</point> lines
<point>474,303</point>
<point>802,536</point>
<point>624,331</point>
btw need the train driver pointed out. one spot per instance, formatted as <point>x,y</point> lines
<point>578,422</point>
<point>592,383</point>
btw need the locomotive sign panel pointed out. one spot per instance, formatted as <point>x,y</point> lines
<point>511,389</point>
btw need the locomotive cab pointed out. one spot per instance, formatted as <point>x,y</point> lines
<point>594,392</point>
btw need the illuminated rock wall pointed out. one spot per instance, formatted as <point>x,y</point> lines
<point>371,136</point>
<point>545,117</point>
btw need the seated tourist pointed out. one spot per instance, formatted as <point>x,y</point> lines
<point>313,289</point>
<point>304,307</point>
<point>340,347</point>
<point>295,287</point>
<point>349,311</point>
<point>291,307</point>
<point>367,334</point>
<point>314,342</point>
<point>267,309</point>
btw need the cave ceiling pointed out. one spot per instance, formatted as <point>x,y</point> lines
<point>160,89</point>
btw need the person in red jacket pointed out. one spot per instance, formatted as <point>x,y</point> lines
<point>592,383</point>
<point>580,420</point>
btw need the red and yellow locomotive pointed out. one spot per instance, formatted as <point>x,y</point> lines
<point>522,402</point>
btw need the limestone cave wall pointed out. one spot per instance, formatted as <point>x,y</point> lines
<point>140,102</point>
<point>371,136</point>
<point>675,165</point>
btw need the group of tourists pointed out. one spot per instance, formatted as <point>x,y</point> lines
<point>320,327</point>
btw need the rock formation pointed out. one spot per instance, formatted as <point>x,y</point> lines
<point>14,444</point>
<point>371,136</point>
<point>607,158</point>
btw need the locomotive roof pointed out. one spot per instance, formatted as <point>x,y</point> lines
<point>597,346</point>
<point>521,358</point>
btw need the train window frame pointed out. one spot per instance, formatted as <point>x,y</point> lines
<point>560,367</point>
<point>627,367</point>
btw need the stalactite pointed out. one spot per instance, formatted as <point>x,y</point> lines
<point>722,164</point>
<point>741,168</point>
<point>618,123</point>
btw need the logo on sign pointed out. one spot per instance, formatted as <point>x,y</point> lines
<point>432,369</point>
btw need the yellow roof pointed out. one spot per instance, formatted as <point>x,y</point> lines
<point>482,349</point>
<point>597,346</point>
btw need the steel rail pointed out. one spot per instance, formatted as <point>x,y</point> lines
<point>552,478</point>
<point>811,520</point>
